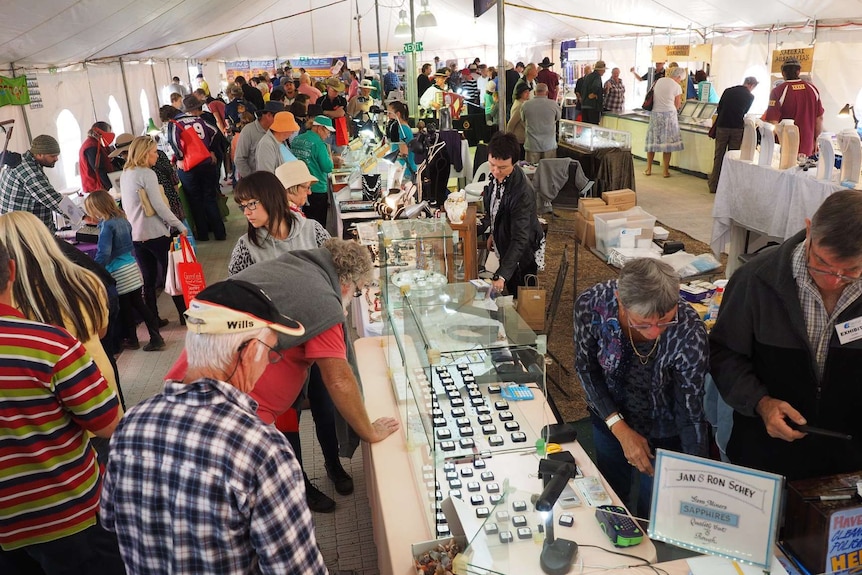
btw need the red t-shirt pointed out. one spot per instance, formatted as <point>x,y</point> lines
<point>800,101</point>
<point>281,383</point>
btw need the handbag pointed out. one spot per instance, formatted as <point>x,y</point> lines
<point>342,137</point>
<point>147,205</point>
<point>648,100</point>
<point>712,130</point>
<point>185,275</point>
<point>195,152</point>
<point>531,303</point>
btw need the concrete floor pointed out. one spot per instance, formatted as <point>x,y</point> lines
<point>345,537</point>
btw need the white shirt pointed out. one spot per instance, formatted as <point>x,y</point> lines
<point>665,91</point>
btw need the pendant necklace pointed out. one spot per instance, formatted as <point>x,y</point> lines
<point>644,359</point>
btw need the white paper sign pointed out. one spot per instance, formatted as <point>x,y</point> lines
<point>716,508</point>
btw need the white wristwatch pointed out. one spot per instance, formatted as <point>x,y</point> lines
<point>613,420</point>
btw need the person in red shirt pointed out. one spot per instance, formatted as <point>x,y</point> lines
<point>799,101</point>
<point>93,160</point>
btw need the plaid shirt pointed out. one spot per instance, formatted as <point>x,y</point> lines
<point>196,483</point>
<point>26,188</point>
<point>615,96</point>
<point>818,323</point>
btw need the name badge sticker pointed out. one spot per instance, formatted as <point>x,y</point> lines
<point>849,331</point>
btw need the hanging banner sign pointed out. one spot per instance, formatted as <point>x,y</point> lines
<point>804,55</point>
<point>320,67</point>
<point>716,508</point>
<point>248,68</point>
<point>14,91</point>
<point>482,6</point>
<point>682,53</point>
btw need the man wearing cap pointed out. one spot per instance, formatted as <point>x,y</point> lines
<point>799,101</point>
<point>52,395</point>
<point>333,103</point>
<point>429,100</point>
<point>530,74</point>
<point>540,117</point>
<point>26,187</point>
<point>549,77</point>
<point>592,94</point>
<point>245,158</point>
<point>311,148</point>
<point>361,104</point>
<point>234,109</point>
<point>93,161</point>
<point>196,482</point>
<point>732,108</point>
<point>272,150</point>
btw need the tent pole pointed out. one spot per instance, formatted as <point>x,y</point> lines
<point>128,100</point>
<point>155,86</point>
<point>501,58</point>
<point>92,98</point>
<point>412,88</point>
<point>379,53</point>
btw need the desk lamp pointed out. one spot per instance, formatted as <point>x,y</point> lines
<point>152,129</point>
<point>848,110</point>
<point>557,554</point>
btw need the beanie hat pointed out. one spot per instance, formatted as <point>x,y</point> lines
<point>44,144</point>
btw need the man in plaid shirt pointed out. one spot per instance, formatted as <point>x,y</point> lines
<point>25,188</point>
<point>196,482</point>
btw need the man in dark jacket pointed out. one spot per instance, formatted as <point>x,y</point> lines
<point>787,348</point>
<point>729,126</point>
<point>510,215</point>
<point>250,93</point>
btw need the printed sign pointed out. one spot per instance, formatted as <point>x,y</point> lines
<point>804,55</point>
<point>845,540</point>
<point>682,53</point>
<point>15,91</point>
<point>716,508</point>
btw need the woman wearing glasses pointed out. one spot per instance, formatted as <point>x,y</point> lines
<point>642,357</point>
<point>274,226</point>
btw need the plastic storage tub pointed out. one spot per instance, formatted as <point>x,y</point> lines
<point>629,229</point>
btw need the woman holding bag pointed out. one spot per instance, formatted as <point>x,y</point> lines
<point>150,233</point>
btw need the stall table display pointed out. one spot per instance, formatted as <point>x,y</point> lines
<point>604,154</point>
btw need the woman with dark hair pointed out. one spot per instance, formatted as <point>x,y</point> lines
<point>273,228</point>
<point>93,160</point>
<point>401,135</point>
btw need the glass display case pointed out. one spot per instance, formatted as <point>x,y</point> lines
<point>458,365</point>
<point>695,113</point>
<point>589,137</point>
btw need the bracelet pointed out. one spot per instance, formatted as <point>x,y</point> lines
<point>613,420</point>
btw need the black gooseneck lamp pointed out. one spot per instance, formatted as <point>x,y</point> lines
<point>557,554</point>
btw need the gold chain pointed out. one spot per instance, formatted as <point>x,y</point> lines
<point>644,359</point>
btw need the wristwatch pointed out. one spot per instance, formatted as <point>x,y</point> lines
<point>496,277</point>
<point>613,420</point>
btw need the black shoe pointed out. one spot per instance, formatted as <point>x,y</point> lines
<point>343,482</point>
<point>155,345</point>
<point>131,344</point>
<point>318,500</point>
<point>163,322</point>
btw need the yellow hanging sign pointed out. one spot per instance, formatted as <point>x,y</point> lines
<point>682,53</point>
<point>804,55</point>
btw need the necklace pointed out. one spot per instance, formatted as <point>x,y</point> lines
<point>644,359</point>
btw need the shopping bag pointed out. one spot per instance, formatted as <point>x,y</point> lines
<point>342,137</point>
<point>172,282</point>
<point>531,303</point>
<point>190,273</point>
<point>194,150</point>
<point>648,100</point>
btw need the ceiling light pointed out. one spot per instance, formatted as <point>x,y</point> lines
<point>402,29</point>
<point>425,19</point>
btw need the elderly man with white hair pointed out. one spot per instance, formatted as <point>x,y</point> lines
<point>540,116</point>
<point>196,482</point>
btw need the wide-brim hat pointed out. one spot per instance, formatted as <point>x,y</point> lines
<point>366,83</point>
<point>294,173</point>
<point>491,87</point>
<point>545,63</point>
<point>600,65</point>
<point>395,96</point>
<point>442,72</point>
<point>284,122</point>
<point>335,83</point>
<point>121,144</point>
<point>324,121</point>
<point>235,306</point>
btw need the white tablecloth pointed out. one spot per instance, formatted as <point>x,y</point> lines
<point>763,199</point>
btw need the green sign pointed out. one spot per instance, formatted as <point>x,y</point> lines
<point>418,46</point>
<point>408,47</point>
<point>413,47</point>
<point>14,91</point>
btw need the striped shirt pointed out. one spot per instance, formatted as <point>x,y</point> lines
<point>50,392</point>
<point>197,483</point>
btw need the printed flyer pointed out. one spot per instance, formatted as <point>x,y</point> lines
<point>716,508</point>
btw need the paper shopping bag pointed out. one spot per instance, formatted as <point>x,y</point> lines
<point>531,303</point>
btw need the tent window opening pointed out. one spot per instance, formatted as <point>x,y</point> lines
<point>761,92</point>
<point>69,137</point>
<point>115,116</point>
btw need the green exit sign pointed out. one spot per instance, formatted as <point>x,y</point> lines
<point>413,47</point>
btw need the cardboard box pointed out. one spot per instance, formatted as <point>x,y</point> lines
<point>585,231</point>
<point>615,197</point>
<point>590,211</point>
<point>584,202</point>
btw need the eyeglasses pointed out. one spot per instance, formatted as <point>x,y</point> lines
<point>250,206</point>
<point>660,324</point>
<point>821,272</point>
<point>274,356</point>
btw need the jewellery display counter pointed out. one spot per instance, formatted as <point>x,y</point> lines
<point>603,152</point>
<point>590,137</point>
<point>467,381</point>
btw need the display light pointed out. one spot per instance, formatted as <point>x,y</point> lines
<point>557,554</point>
<point>152,130</point>
<point>848,110</point>
<point>402,29</point>
<point>425,19</point>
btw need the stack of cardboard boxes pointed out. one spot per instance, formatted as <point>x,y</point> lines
<point>616,201</point>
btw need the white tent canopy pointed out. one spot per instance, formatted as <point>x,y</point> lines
<point>109,59</point>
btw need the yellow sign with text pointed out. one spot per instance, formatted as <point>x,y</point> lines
<point>804,55</point>
<point>682,53</point>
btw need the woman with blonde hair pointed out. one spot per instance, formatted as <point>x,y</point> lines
<point>53,290</point>
<point>150,234</point>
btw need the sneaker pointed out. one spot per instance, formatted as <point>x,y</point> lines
<point>155,345</point>
<point>131,344</point>
<point>343,482</point>
<point>163,321</point>
<point>318,500</point>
